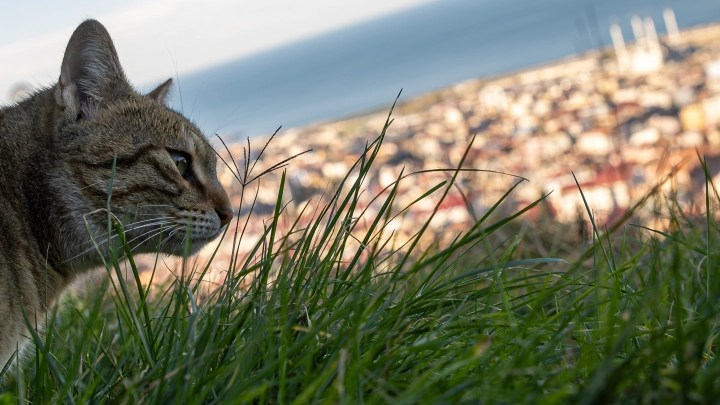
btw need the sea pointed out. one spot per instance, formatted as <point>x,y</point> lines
<point>361,68</point>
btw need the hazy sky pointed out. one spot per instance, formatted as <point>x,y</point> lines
<point>154,38</point>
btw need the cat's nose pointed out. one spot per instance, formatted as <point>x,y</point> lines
<point>225,214</point>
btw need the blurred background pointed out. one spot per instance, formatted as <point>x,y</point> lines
<point>246,67</point>
<point>625,94</point>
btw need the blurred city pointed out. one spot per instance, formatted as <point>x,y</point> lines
<point>621,119</point>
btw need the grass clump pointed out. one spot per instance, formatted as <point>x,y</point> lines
<point>321,313</point>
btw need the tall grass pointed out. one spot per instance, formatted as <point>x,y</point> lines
<point>317,314</point>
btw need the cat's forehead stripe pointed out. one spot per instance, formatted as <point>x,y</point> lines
<point>189,137</point>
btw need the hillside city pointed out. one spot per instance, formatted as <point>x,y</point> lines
<point>621,120</point>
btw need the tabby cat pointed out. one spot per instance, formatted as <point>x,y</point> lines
<point>58,148</point>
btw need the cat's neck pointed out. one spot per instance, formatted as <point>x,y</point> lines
<point>26,133</point>
<point>29,219</point>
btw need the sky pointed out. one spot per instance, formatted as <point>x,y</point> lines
<point>157,39</point>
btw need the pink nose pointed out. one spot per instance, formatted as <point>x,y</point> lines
<point>225,214</point>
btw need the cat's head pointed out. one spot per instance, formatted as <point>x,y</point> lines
<point>164,181</point>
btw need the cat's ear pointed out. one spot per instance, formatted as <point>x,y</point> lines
<point>91,74</point>
<point>161,92</point>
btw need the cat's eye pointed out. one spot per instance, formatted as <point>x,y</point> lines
<point>181,162</point>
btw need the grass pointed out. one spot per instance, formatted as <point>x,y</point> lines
<point>316,315</point>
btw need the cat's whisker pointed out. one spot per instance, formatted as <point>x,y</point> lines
<point>157,232</point>
<point>88,186</point>
<point>152,236</point>
<point>106,240</point>
<point>175,231</point>
<point>104,234</point>
<point>155,205</point>
<point>170,235</point>
<point>79,254</point>
<point>132,225</point>
<point>143,234</point>
<point>131,228</point>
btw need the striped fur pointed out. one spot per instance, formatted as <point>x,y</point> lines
<point>57,149</point>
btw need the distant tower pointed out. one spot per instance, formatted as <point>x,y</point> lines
<point>651,35</point>
<point>619,44</point>
<point>671,26</point>
<point>638,31</point>
<point>647,55</point>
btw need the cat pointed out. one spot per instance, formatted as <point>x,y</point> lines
<point>59,149</point>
